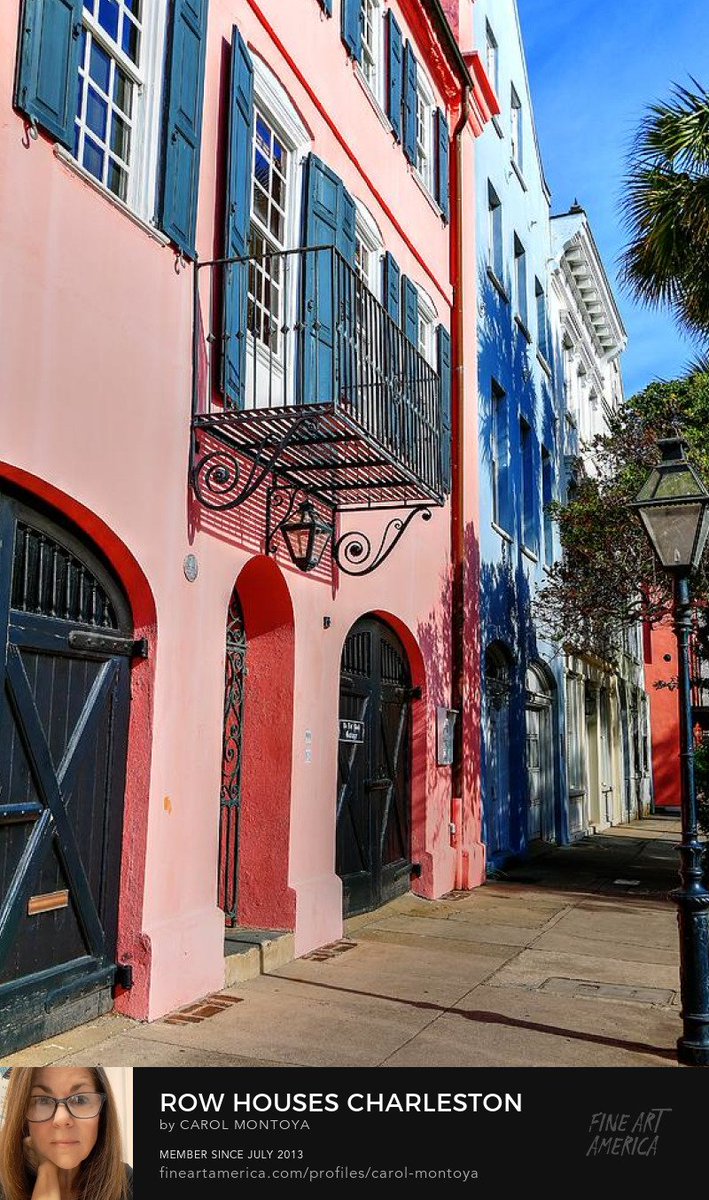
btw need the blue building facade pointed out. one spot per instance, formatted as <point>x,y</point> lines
<point>521,463</point>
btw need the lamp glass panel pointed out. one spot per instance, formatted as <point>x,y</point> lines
<point>672,529</point>
<point>671,481</point>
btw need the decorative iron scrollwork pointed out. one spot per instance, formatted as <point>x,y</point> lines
<point>354,553</point>
<point>216,476</point>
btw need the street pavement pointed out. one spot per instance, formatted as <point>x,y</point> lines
<point>568,959</point>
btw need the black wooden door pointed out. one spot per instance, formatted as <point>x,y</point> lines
<point>374,774</point>
<point>63,736</point>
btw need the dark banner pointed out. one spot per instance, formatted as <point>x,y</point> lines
<point>205,1130</point>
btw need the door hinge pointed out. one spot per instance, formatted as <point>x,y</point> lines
<point>124,976</point>
<point>105,643</point>
<point>414,693</point>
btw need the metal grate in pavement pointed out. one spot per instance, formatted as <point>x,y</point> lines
<point>209,1006</point>
<point>331,950</point>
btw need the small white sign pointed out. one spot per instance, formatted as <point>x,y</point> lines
<point>352,731</point>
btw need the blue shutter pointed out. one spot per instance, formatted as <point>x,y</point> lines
<point>352,27</point>
<point>48,68</point>
<point>329,221</point>
<point>392,287</point>
<point>183,100</point>
<point>444,371</point>
<point>442,168</point>
<point>238,219</point>
<point>408,111</point>
<point>327,6</point>
<point>395,79</point>
<point>410,303</point>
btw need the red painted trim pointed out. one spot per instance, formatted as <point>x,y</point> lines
<point>443,289</point>
<point>424,34</point>
<point>484,92</point>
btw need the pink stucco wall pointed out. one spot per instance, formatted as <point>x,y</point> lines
<point>95,376</point>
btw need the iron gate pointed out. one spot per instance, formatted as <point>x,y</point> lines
<point>373,834</point>
<point>64,712</point>
<point>230,798</point>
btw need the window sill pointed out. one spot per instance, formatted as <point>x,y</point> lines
<point>522,328</point>
<point>424,189</point>
<point>544,363</point>
<point>372,99</point>
<point>72,165</point>
<point>497,284</point>
<point>502,532</point>
<point>519,174</point>
<point>530,554</point>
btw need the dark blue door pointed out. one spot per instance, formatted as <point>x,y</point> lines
<point>63,738</point>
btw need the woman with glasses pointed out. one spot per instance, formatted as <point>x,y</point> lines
<point>60,1138</point>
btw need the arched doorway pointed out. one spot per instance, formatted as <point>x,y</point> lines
<point>539,721</point>
<point>373,833</point>
<point>64,712</point>
<point>497,750</point>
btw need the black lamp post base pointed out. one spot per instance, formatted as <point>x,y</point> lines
<point>692,1054</point>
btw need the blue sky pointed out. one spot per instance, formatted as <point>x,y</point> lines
<point>594,65</point>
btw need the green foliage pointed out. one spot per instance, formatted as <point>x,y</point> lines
<point>608,578</point>
<point>666,209</point>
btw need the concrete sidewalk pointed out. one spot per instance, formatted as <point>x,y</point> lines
<point>568,959</point>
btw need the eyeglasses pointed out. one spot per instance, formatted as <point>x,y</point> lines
<point>81,1104</point>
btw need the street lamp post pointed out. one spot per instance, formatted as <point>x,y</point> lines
<point>673,505</point>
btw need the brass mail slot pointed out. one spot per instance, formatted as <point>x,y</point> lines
<point>47,902</point>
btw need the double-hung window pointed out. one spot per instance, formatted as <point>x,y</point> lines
<point>547,498</point>
<point>491,57</point>
<point>117,117</point>
<point>499,457</point>
<point>267,240</point>
<point>528,489</point>
<point>426,327</point>
<point>521,281</point>
<point>494,233</point>
<point>425,110</point>
<point>122,91</point>
<point>542,324</point>
<point>372,62</point>
<point>516,129</point>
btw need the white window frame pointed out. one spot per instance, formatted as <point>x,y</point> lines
<point>492,57</point>
<point>521,280</point>
<point>425,146</point>
<point>275,106</point>
<point>146,120</point>
<point>516,132</point>
<point>368,235</point>
<point>374,52</point>
<point>425,333</point>
<point>495,245</point>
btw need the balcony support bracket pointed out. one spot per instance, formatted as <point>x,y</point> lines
<point>217,475</point>
<point>355,554</point>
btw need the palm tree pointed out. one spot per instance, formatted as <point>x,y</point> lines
<point>666,210</point>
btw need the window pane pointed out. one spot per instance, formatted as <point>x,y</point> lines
<point>96,114</point>
<point>130,39</point>
<point>123,92</point>
<point>117,179</point>
<point>108,17</point>
<point>100,67</point>
<point>93,158</point>
<point>120,138</point>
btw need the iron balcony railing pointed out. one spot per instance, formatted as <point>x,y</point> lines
<point>298,332</point>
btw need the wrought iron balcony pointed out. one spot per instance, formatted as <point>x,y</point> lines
<point>315,387</point>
